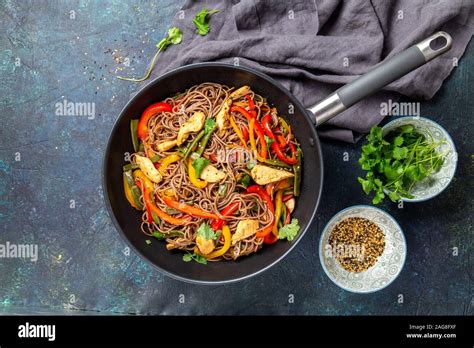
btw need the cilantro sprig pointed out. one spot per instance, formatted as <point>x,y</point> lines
<point>396,162</point>
<point>174,37</point>
<point>201,20</point>
<point>192,256</point>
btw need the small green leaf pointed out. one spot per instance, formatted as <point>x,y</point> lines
<point>378,197</point>
<point>394,197</point>
<point>289,231</point>
<point>209,125</point>
<point>367,185</point>
<point>245,180</point>
<point>398,141</point>
<point>148,242</point>
<point>205,231</point>
<point>187,257</point>
<point>269,141</point>
<point>251,164</point>
<point>400,152</point>
<point>200,259</point>
<point>201,20</point>
<point>175,35</point>
<point>407,128</point>
<point>199,164</point>
<point>368,149</point>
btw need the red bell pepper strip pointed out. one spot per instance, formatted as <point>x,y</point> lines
<point>281,140</point>
<point>286,198</point>
<point>217,224</point>
<point>245,132</point>
<point>265,231</point>
<point>148,211</point>
<point>151,207</point>
<point>282,156</point>
<point>251,102</point>
<point>252,111</point>
<point>267,126</point>
<point>287,217</point>
<point>270,238</point>
<point>266,123</point>
<point>263,195</point>
<point>190,210</point>
<point>149,112</point>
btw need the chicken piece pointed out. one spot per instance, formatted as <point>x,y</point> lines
<point>147,167</point>
<point>263,175</point>
<point>206,246</point>
<point>193,124</point>
<point>223,114</point>
<point>239,92</point>
<point>166,145</point>
<point>212,174</point>
<point>245,228</point>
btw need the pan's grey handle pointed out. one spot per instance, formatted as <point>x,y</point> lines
<point>385,73</point>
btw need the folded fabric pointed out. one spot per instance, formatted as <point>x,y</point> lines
<point>313,47</point>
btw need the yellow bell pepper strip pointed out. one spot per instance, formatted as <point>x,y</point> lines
<point>237,131</point>
<point>278,211</point>
<point>138,174</point>
<point>225,247</point>
<point>253,145</point>
<point>190,210</point>
<point>227,242</point>
<point>256,127</point>
<point>132,197</point>
<point>193,177</point>
<point>165,162</point>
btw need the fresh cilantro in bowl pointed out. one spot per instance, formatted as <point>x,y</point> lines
<point>397,161</point>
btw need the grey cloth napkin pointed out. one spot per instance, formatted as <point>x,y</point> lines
<point>313,47</point>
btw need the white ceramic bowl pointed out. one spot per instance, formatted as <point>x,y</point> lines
<point>388,265</point>
<point>437,182</point>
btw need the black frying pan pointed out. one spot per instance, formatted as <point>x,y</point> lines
<point>127,220</point>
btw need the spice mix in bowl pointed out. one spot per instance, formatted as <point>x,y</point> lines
<point>362,249</point>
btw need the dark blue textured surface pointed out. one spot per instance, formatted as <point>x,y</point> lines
<point>83,264</point>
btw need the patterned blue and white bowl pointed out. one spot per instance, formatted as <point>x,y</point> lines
<point>388,265</point>
<point>437,182</point>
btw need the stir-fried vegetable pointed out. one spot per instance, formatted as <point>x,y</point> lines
<point>188,209</point>
<point>193,176</point>
<point>165,162</point>
<point>131,190</point>
<point>152,110</point>
<point>278,211</point>
<point>209,128</point>
<point>227,242</point>
<point>259,190</point>
<point>227,211</point>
